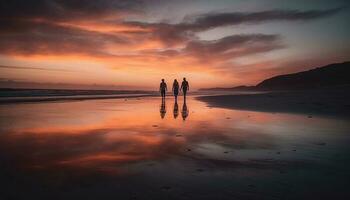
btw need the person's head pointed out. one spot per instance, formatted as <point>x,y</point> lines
<point>184,79</point>
<point>175,80</point>
<point>163,80</point>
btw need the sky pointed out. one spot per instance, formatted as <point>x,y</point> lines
<point>132,44</point>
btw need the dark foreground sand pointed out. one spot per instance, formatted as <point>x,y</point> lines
<point>333,102</point>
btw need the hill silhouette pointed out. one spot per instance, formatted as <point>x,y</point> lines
<point>321,91</point>
<point>330,75</point>
<point>337,74</point>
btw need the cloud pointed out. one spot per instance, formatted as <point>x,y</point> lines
<point>61,10</point>
<point>225,48</point>
<point>48,38</point>
<point>35,68</point>
<point>173,34</point>
<point>234,45</point>
<point>30,27</point>
<point>213,20</point>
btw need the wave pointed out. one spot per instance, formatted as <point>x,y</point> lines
<point>37,95</point>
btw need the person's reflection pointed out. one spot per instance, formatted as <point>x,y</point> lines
<point>184,111</point>
<point>176,110</point>
<point>162,108</point>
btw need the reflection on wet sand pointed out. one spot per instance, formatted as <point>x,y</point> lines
<point>121,138</point>
<point>162,109</point>
<point>184,111</point>
<point>118,139</point>
<point>125,138</point>
<point>176,110</point>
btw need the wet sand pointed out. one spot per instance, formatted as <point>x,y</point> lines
<point>145,149</point>
<point>334,102</point>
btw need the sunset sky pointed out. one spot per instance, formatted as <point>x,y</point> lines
<point>135,43</point>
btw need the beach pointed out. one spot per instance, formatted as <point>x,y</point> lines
<point>329,102</point>
<point>141,148</point>
<point>174,100</point>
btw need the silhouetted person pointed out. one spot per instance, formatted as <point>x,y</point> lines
<point>162,109</point>
<point>163,88</point>
<point>176,110</point>
<point>175,89</point>
<point>185,87</point>
<point>184,111</point>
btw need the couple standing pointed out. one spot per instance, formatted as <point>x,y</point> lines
<point>184,87</point>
